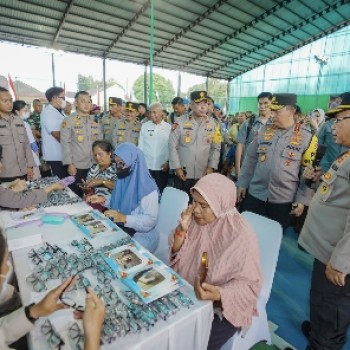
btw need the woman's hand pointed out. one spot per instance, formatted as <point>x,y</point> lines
<point>94,315</point>
<point>206,291</point>
<point>50,304</point>
<point>115,216</point>
<point>54,187</point>
<point>17,185</point>
<point>95,183</point>
<point>96,199</point>
<point>186,218</point>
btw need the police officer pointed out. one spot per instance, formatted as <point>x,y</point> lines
<point>273,162</point>
<point>194,143</point>
<point>326,236</point>
<point>77,136</point>
<point>17,155</point>
<point>111,121</point>
<point>129,130</point>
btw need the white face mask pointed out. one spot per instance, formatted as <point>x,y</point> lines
<point>25,115</point>
<point>5,283</point>
<point>63,103</point>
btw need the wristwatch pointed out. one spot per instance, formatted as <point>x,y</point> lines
<point>104,182</point>
<point>27,313</point>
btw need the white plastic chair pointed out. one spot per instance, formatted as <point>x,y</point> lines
<point>172,203</point>
<point>269,235</point>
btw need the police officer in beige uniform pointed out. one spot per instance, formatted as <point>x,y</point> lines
<point>17,155</point>
<point>273,164</point>
<point>326,236</point>
<point>114,119</point>
<point>129,130</point>
<point>194,143</point>
<point>77,136</point>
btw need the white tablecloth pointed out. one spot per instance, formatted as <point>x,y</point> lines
<point>187,329</point>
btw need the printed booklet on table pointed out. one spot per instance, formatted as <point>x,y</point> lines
<point>142,273</point>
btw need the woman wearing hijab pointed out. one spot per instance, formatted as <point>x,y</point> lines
<point>233,282</point>
<point>319,116</point>
<point>134,200</point>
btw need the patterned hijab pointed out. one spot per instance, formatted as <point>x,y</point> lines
<point>129,191</point>
<point>233,254</point>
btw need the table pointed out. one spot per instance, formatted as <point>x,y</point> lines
<point>187,329</point>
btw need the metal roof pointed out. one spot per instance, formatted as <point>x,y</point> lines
<point>214,38</point>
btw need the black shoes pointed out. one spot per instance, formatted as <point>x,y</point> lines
<point>306,328</point>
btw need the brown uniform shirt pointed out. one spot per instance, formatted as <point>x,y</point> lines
<point>77,136</point>
<point>16,151</point>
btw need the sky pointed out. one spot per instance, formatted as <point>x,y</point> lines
<point>33,66</point>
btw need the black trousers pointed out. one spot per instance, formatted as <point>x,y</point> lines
<point>161,178</point>
<point>329,311</point>
<point>81,174</point>
<point>221,332</point>
<point>58,169</point>
<point>185,185</point>
<point>274,211</point>
<point>10,179</point>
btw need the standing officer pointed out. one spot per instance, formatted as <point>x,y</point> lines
<point>111,121</point>
<point>194,143</point>
<point>273,162</point>
<point>77,136</point>
<point>251,127</point>
<point>129,130</point>
<point>326,236</point>
<point>34,119</point>
<point>17,155</point>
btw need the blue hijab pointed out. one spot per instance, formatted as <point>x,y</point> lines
<point>129,191</point>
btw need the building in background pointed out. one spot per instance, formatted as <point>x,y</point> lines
<point>314,72</point>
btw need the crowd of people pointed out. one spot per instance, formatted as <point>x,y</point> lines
<point>267,163</point>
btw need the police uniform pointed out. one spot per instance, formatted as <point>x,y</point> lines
<point>272,169</point>
<point>127,131</point>
<point>110,123</point>
<point>77,136</point>
<point>17,153</point>
<point>194,146</point>
<point>325,235</point>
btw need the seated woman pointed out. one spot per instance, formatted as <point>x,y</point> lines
<point>13,198</point>
<point>100,178</point>
<point>134,201</point>
<point>213,225</point>
<point>20,322</point>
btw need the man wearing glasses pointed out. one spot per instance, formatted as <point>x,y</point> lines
<point>51,119</point>
<point>326,236</point>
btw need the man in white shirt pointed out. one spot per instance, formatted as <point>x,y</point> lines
<point>153,142</point>
<point>51,119</point>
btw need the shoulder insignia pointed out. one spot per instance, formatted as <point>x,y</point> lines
<point>64,124</point>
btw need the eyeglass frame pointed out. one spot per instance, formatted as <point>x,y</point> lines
<point>338,120</point>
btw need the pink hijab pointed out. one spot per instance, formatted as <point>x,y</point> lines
<point>233,254</point>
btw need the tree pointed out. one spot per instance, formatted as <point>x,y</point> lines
<point>89,83</point>
<point>216,90</point>
<point>163,90</point>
